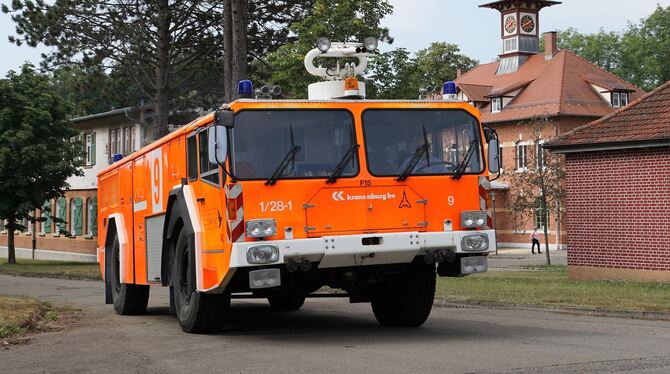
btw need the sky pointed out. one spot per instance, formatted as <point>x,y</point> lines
<point>417,23</point>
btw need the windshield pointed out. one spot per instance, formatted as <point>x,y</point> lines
<point>393,138</point>
<point>263,138</point>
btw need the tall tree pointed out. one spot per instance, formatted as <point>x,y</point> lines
<point>539,187</point>
<point>339,20</point>
<point>168,49</point>
<point>35,160</point>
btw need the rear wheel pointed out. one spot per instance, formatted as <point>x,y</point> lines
<point>196,312</point>
<point>128,299</point>
<point>287,300</point>
<point>405,300</point>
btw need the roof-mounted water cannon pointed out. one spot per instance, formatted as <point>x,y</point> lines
<point>339,78</point>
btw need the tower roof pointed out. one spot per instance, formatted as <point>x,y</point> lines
<point>506,4</point>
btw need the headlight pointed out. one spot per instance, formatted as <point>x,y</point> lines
<point>262,254</point>
<point>473,219</point>
<point>261,228</point>
<point>475,243</point>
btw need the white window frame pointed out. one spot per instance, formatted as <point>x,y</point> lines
<point>540,154</point>
<point>521,145</point>
<point>623,102</point>
<point>89,149</point>
<point>616,100</point>
<point>89,217</point>
<point>496,104</point>
<point>72,215</point>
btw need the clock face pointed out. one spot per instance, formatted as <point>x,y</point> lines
<point>527,23</point>
<point>510,24</point>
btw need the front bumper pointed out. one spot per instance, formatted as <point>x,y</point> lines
<point>366,249</point>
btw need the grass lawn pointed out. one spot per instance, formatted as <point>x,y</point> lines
<point>52,269</point>
<point>550,286</point>
<point>19,315</point>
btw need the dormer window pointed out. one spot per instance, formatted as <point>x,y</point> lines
<point>496,104</point>
<point>619,99</point>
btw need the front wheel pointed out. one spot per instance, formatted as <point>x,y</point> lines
<point>196,312</point>
<point>405,300</point>
<point>128,299</point>
<point>287,300</point>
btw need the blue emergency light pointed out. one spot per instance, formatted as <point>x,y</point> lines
<point>449,88</point>
<point>117,157</point>
<point>245,89</point>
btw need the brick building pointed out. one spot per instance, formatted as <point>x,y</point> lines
<point>526,84</point>
<point>618,192</point>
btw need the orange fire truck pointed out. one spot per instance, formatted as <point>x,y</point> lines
<point>278,198</point>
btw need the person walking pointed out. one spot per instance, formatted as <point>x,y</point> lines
<point>535,239</point>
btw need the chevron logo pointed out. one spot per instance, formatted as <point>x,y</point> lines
<point>338,196</point>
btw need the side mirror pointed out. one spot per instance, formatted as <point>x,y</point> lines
<point>217,147</point>
<point>494,156</point>
<point>225,118</point>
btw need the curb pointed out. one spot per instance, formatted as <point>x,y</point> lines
<point>595,312</point>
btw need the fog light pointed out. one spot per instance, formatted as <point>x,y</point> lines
<point>265,278</point>
<point>475,243</point>
<point>473,265</point>
<point>473,219</point>
<point>262,254</point>
<point>261,228</point>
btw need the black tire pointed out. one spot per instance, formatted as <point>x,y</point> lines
<point>287,300</point>
<point>128,299</point>
<point>406,300</point>
<point>196,312</point>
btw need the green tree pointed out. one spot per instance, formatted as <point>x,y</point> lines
<point>602,48</point>
<point>439,62</point>
<point>397,75</point>
<point>339,20</point>
<point>172,51</point>
<point>36,154</point>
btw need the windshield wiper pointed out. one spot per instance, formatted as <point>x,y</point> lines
<point>458,173</point>
<point>420,152</point>
<point>339,169</point>
<point>289,157</point>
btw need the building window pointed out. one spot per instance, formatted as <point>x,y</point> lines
<point>126,140</point>
<point>46,213</point>
<point>541,155</point>
<point>61,214</point>
<point>619,99</point>
<point>76,218</point>
<point>90,149</point>
<point>496,104</point>
<point>132,139</point>
<point>541,216</point>
<point>521,155</point>
<point>112,143</point>
<point>92,216</point>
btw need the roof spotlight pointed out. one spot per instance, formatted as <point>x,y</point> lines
<point>276,91</point>
<point>371,43</point>
<point>265,90</point>
<point>323,44</point>
<point>430,89</point>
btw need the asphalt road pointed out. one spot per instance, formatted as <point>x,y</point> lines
<point>329,335</point>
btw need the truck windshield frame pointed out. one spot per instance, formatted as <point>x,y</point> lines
<point>324,136</point>
<point>392,137</point>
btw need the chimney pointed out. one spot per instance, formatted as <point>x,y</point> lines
<point>459,72</point>
<point>550,45</point>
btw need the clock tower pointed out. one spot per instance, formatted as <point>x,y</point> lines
<point>519,30</point>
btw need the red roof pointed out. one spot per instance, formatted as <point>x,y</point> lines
<point>561,85</point>
<point>647,120</point>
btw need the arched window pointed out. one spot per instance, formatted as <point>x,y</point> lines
<point>92,216</point>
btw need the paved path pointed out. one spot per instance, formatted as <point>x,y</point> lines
<point>512,258</point>
<point>330,335</point>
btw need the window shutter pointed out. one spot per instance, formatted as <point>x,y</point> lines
<point>93,148</point>
<point>62,214</point>
<point>78,217</point>
<point>94,216</point>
